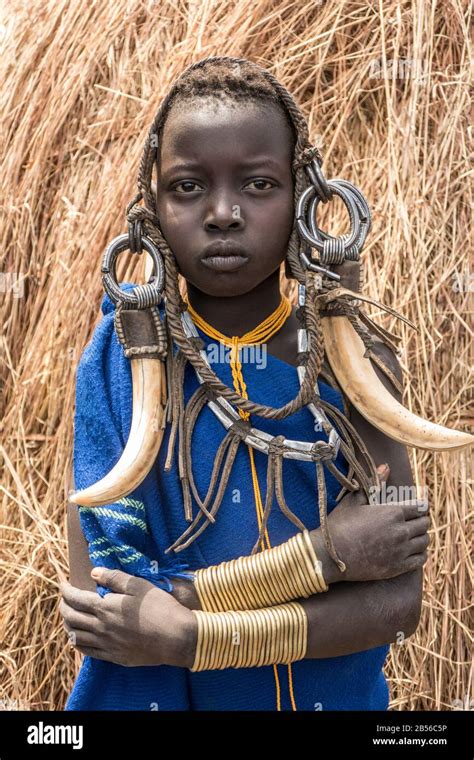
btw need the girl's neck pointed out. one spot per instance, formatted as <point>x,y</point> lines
<point>236,315</point>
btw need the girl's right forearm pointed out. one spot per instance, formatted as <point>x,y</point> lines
<point>186,594</point>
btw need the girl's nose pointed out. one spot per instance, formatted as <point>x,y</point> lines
<point>224,215</point>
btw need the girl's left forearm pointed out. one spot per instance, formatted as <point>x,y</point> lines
<point>353,617</point>
<point>350,617</point>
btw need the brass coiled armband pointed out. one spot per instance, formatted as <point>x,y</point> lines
<point>280,574</point>
<point>250,638</point>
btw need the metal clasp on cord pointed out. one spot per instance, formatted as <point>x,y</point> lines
<point>309,264</point>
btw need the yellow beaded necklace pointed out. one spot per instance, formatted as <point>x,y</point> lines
<point>259,335</point>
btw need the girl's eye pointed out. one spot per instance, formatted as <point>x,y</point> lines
<point>261,182</point>
<point>186,182</point>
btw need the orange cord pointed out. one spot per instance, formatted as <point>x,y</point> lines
<point>261,334</point>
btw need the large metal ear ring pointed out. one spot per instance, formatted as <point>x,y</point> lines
<point>142,296</point>
<point>329,249</point>
<point>344,348</point>
<point>143,337</point>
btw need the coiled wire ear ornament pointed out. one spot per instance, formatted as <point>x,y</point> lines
<point>142,334</point>
<point>332,250</point>
<point>347,341</point>
<point>142,296</point>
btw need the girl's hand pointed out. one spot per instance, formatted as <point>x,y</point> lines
<point>375,541</point>
<point>138,624</point>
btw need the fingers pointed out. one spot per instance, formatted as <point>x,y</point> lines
<point>418,527</point>
<point>75,619</point>
<point>118,581</point>
<point>98,654</point>
<point>415,561</point>
<point>84,638</point>
<point>419,544</point>
<point>79,599</point>
<point>414,508</point>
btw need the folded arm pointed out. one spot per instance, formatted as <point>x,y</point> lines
<point>354,616</point>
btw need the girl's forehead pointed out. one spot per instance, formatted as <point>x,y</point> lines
<point>239,128</point>
<point>223,107</point>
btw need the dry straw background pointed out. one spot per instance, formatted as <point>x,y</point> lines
<point>385,90</point>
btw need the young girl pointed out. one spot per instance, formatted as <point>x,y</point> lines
<point>228,166</point>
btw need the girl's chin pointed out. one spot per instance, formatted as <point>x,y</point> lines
<point>222,286</point>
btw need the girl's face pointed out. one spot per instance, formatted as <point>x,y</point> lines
<point>224,180</point>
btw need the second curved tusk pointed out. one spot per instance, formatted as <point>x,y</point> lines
<point>357,378</point>
<point>144,441</point>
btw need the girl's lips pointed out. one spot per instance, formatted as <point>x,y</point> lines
<point>224,263</point>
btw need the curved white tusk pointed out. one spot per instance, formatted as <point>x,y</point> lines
<point>144,441</point>
<point>357,378</point>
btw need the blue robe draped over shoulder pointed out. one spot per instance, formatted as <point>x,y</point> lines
<point>134,533</point>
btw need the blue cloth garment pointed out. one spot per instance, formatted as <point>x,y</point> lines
<point>134,533</point>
